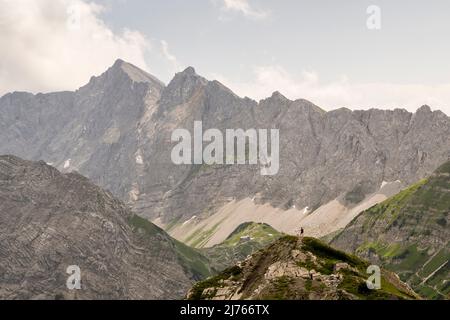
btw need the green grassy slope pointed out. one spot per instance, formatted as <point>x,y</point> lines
<point>191,259</point>
<point>408,234</point>
<point>236,248</point>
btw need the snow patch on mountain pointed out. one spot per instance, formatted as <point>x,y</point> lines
<point>67,164</point>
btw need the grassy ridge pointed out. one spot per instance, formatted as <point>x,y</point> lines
<point>409,234</point>
<point>250,280</point>
<point>191,259</point>
<point>235,249</point>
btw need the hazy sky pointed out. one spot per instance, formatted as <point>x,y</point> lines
<point>319,50</point>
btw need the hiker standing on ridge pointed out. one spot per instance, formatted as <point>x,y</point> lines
<point>302,231</point>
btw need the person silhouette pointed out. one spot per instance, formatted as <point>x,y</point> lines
<point>302,231</point>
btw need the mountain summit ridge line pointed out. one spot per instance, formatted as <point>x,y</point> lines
<point>116,130</point>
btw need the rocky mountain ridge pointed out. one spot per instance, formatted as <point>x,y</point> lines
<point>50,221</point>
<point>299,269</point>
<point>116,130</point>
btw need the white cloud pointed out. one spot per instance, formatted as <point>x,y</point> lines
<point>169,56</point>
<point>50,45</point>
<point>244,7</point>
<point>341,92</point>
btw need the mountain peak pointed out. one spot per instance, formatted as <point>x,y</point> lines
<point>424,109</point>
<point>123,72</point>
<point>299,269</point>
<point>182,87</point>
<point>118,63</point>
<point>136,74</point>
<point>189,71</point>
<point>188,75</point>
<point>276,97</point>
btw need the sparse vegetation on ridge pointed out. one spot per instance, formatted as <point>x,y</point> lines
<point>408,234</point>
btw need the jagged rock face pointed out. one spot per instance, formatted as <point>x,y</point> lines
<point>323,155</point>
<point>117,131</point>
<point>408,234</point>
<point>298,268</point>
<point>95,130</point>
<point>49,221</point>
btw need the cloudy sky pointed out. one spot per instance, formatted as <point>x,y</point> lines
<point>321,50</point>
